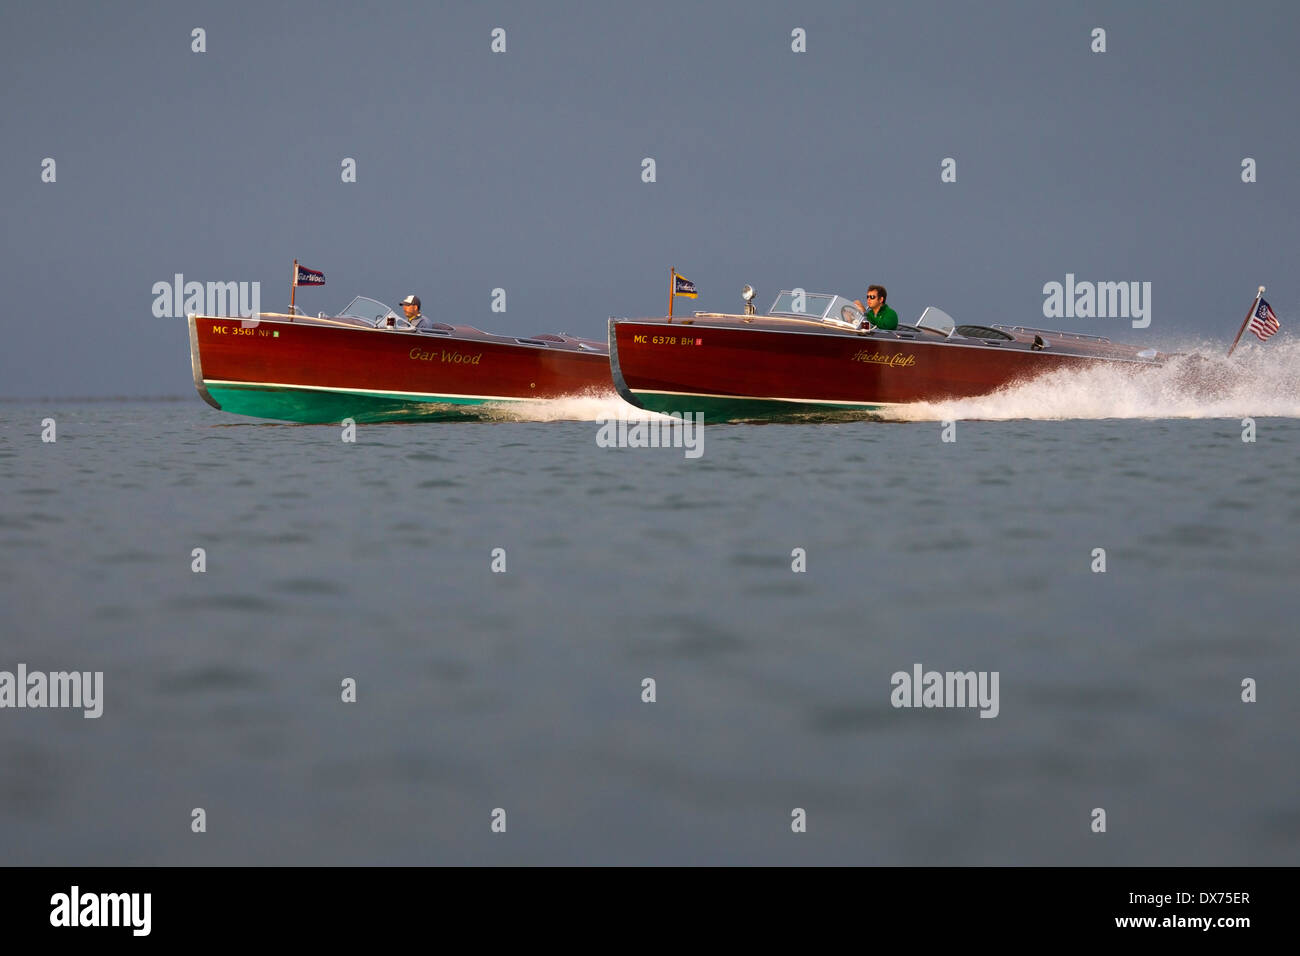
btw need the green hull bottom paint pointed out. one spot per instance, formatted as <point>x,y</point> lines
<point>723,409</point>
<point>310,406</point>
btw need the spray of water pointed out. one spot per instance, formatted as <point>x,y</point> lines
<point>589,406</point>
<point>1259,381</point>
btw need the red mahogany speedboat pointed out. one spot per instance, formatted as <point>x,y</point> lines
<point>815,352</point>
<point>369,364</point>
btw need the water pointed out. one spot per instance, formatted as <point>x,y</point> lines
<point>522,690</point>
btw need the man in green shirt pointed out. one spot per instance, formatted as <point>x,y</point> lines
<point>877,313</point>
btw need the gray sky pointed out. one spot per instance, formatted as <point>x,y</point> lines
<point>522,170</point>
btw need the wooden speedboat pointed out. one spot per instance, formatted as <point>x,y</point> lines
<point>815,352</point>
<point>369,364</point>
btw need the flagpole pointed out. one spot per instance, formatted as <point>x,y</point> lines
<point>1258,295</point>
<point>672,277</point>
<point>293,292</point>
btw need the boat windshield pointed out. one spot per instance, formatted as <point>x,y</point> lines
<point>833,309</point>
<point>808,305</point>
<point>936,320</point>
<point>371,310</point>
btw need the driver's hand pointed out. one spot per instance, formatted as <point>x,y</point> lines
<point>861,308</point>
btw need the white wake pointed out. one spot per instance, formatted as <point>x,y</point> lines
<point>588,406</point>
<point>1259,381</point>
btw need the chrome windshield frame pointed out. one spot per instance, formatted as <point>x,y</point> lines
<point>807,313</point>
<point>830,315</point>
<point>370,315</point>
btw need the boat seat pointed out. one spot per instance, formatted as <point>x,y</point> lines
<point>984,332</point>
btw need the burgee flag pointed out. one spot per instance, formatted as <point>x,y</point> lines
<point>307,276</point>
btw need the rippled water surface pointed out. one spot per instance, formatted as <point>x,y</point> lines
<point>523,690</point>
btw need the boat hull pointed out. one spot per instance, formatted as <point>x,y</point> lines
<point>735,370</point>
<point>303,371</point>
<point>320,406</point>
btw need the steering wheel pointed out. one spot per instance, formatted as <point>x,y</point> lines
<point>381,322</point>
<point>854,318</point>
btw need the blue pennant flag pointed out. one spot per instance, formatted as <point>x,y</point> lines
<point>309,277</point>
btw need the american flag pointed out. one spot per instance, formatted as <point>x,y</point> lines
<point>1264,323</point>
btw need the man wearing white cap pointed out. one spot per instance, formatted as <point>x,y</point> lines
<point>411,306</point>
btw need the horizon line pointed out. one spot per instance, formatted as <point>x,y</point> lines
<point>16,399</point>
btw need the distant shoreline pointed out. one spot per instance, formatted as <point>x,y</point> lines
<point>24,400</point>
